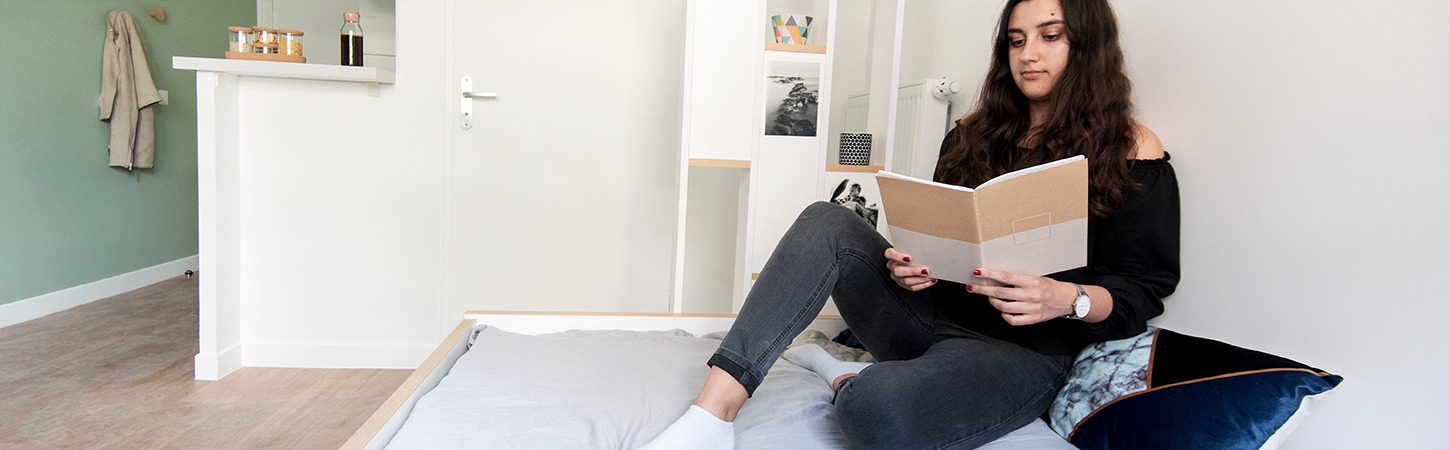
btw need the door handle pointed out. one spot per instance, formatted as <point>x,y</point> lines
<point>466,105</point>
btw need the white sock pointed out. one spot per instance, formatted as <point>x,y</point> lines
<point>816,359</point>
<point>697,429</point>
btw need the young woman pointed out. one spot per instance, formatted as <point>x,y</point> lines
<point>961,365</point>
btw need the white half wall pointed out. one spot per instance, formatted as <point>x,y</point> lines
<point>342,211</point>
<point>1309,139</point>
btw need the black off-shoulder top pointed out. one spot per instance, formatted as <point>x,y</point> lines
<point>1133,253</point>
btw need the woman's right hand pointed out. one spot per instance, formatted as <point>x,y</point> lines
<point>913,278</point>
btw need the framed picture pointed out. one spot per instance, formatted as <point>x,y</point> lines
<point>792,98</point>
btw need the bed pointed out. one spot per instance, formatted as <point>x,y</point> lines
<point>583,380</point>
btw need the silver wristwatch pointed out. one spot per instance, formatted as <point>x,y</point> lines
<point>1082,305</point>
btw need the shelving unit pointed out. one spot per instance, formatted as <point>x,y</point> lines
<point>737,184</point>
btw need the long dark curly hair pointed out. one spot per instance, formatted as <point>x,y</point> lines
<point>1090,112</point>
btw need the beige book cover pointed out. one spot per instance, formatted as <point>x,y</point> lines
<point>1031,221</point>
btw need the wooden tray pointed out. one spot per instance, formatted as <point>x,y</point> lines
<point>266,57</point>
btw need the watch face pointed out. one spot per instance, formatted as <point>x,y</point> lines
<point>1083,303</point>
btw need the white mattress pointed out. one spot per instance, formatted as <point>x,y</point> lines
<point>617,390</point>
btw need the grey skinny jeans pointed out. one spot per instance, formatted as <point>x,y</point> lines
<point>938,385</point>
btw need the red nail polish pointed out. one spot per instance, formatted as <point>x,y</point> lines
<point>923,271</point>
<point>969,288</point>
<point>977,272</point>
<point>906,259</point>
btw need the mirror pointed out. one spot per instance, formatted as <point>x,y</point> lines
<point>949,39</point>
<point>910,67</point>
<point>850,76</point>
<point>864,74</point>
<point>320,20</point>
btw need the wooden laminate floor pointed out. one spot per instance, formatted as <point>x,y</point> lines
<point>117,374</point>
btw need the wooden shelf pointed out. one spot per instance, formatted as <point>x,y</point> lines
<point>727,163</point>
<point>273,69</point>
<point>853,168</point>
<point>772,46</point>
<point>267,57</point>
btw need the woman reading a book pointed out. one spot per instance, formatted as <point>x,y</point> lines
<point>961,365</point>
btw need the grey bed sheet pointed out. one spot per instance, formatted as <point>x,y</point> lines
<point>612,389</point>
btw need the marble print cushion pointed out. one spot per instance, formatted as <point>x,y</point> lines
<point>1102,372</point>
<point>1167,390</point>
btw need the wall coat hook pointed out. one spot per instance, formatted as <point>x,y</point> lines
<point>158,13</point>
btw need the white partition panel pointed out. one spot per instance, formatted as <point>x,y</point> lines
<point>787,169</point>
<point>787,181</point>
<point>722,55</point>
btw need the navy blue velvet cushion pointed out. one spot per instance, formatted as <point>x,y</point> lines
<point>1166,390</point>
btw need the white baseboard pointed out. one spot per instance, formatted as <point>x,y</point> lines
<point>54,302</point>
<point>214,366</point>
<point>314,356</point>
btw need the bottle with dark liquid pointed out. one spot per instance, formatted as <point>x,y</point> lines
<point>351,40</point>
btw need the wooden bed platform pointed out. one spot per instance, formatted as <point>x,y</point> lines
<point>385,422</point>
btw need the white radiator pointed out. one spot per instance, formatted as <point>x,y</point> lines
<point>921,124</point>
<point>858,107</point>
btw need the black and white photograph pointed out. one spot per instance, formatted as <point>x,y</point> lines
<point>792,99</point>
<point>857,192</point>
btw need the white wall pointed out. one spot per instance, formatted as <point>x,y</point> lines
<point>1309,139</point>
<point>343,205</point>
<point>342,211</point>
<point>711,279</point>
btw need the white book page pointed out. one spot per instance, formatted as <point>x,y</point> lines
<point>1030,170</point>
<point>898,176</point>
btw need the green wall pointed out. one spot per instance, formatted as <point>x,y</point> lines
<point>66,218</point>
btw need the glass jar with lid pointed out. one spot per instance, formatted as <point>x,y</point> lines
<point>289,42</point>
<point>241,39</point>
<point>265,49</point>
<point>263,35</point>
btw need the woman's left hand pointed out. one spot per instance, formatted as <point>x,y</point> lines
<point>1026,299</point>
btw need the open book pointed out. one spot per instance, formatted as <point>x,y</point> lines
<point>1031,221</point>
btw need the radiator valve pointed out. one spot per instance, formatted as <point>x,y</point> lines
<point>945,88</point>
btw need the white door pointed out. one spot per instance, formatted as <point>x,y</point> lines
<point>561,194</point>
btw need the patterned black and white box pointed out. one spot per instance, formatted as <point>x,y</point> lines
<point>856,149</point>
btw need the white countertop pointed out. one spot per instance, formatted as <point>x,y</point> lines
<point>284,70</point>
